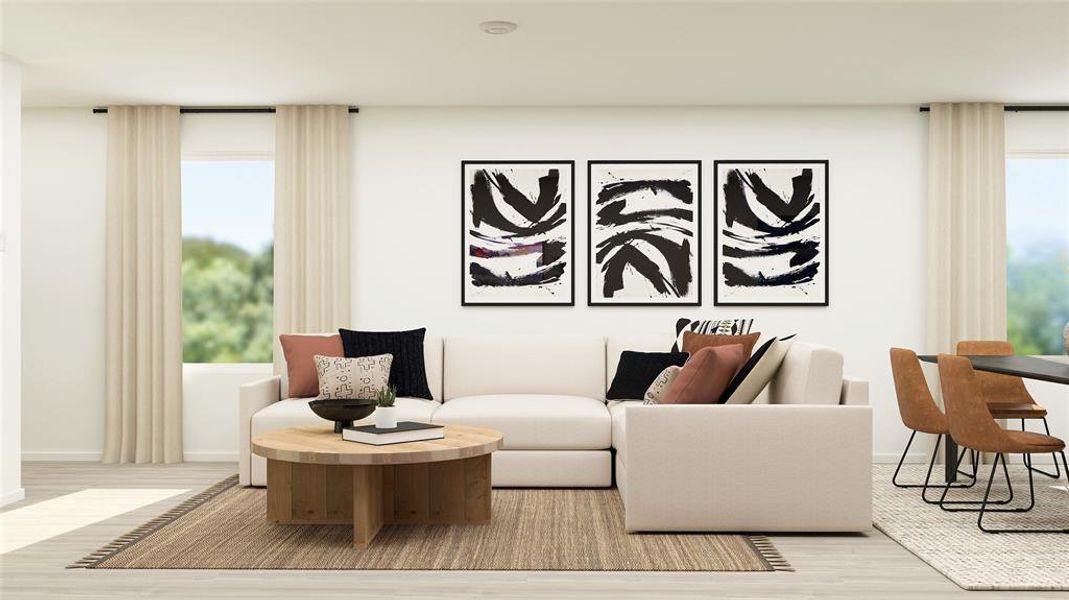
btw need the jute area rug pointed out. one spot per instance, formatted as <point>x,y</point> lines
<point>953,545</point>
<point>531,529</point>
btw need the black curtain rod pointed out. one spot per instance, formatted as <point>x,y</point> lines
<point>1025,108</point>
<point>217,110</point>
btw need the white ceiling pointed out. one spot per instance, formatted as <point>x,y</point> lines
<point>564,53</point>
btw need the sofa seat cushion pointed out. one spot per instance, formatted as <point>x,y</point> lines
<point>617,411</point>
<point>295,412</point>
<point>534,421</point>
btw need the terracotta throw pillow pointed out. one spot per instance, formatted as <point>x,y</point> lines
<point>300,351</point>
<point>706,375</point>
<point>692,342</point>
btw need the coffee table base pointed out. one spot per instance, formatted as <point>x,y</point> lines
<point>370,496</point>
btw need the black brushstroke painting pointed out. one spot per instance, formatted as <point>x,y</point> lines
<point>480,275</point>
<point>484,204</point>
<point>644,232</point>
<point>771,232</point>
<point>517,232</point>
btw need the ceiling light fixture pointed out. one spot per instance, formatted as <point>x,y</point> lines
<point>497,27</point>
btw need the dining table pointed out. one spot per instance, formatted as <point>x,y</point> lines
<point>1025,367</point>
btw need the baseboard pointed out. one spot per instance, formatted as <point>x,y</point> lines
<point>877,458</point>
<point>12,497</point>
<point>211,456</point>
<point>882,458</point>
<point>922,459</point>
<point>30,456</point>
<point>97,456</point>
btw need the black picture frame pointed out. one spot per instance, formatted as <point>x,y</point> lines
<point>698,200</point>
<point>717,301</point>
<point>464,164</point>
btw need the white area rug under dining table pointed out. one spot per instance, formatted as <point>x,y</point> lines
<point>953,545</point>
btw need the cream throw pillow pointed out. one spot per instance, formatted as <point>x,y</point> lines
<point>360,378</point>
<point>757,372</point>
<point>660,385</point>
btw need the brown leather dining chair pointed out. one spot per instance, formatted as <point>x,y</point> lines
<point>1006,395</point>
<point>973,426</point>
<point>920,413</point>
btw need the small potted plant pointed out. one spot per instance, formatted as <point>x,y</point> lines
<point>386,413</point>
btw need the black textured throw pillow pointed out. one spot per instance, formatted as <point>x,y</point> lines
<point>408,372</point>
<point>637,370</point>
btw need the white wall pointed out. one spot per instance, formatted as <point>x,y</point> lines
<point>406,174</point>
<point>406,170</point>
<point>10,282</point>
<point>64,153</point>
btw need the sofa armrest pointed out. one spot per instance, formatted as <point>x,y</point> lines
<point>748,468</point>
<point>253,398</point>
<point>855,392</point>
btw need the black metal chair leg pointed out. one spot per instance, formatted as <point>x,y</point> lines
<point>1031,503</point>
<point>935,451</point>
<point>894,478</point>
<point>1057,474</point>
<point>928,477</point>
<point>943,502</point>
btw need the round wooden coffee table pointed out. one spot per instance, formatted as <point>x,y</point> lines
<point>316,477</point>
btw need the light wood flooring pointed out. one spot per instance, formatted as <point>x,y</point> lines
<point>869,566</point>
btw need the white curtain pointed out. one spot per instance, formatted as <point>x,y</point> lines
<point>143,286</point>
<point>966,224</point>
<point>312,221</point>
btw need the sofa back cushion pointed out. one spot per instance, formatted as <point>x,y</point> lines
<point>809,374</point>
<point>524,364</point>
<point>616,344</point>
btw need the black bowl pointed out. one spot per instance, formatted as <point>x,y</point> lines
<point>342,412</point>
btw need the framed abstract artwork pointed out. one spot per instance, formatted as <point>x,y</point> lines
<point>645,234</point>
<point>517,228</point>
<point>771,227</point>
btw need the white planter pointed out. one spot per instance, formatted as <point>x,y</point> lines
<point>385,417</point>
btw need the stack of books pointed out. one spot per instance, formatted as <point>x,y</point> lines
<point>406,431</point>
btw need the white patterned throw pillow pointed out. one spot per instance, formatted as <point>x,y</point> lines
<point>660,385</point>
<point>360,378</point>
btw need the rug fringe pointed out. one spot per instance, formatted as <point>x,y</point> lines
<point>770,553</point>
<point>132,537</point>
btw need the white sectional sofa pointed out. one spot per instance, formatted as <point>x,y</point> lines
<point>797,460</point>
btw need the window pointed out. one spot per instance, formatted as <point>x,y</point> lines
<point>227,260</point>
<point>1037,265</point>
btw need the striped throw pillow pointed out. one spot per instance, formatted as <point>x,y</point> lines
<point>718,327</point>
